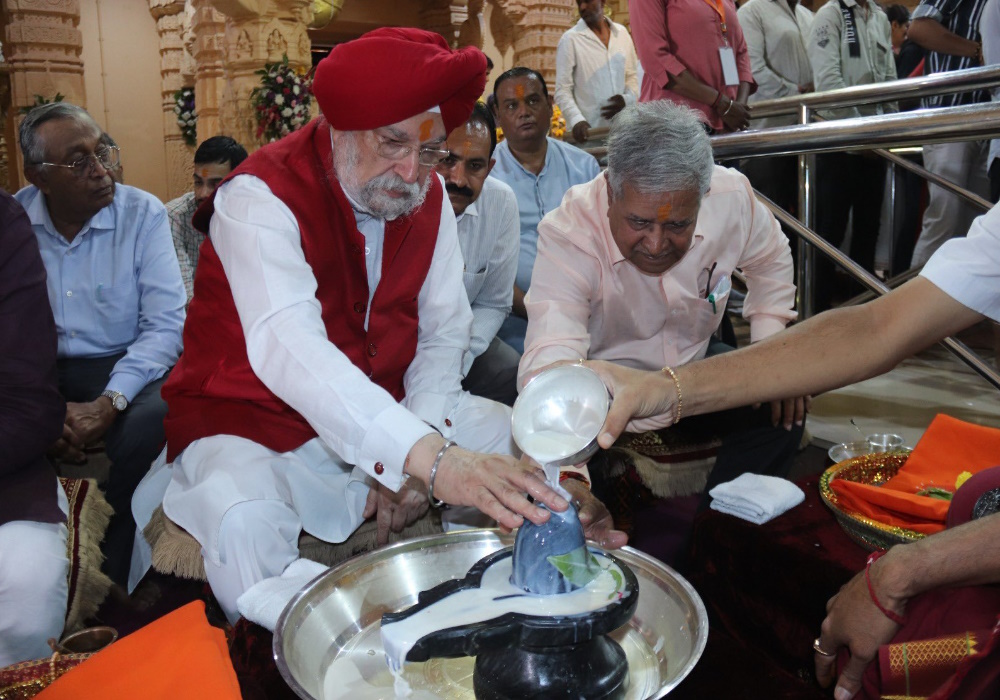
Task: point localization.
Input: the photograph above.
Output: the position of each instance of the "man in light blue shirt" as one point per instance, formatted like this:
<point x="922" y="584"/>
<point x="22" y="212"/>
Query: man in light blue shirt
<point x="117" y="297"/>
<point x="538" y="168"/>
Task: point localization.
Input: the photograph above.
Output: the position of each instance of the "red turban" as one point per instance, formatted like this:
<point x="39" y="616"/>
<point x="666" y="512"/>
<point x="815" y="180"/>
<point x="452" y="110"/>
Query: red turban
<point x="394" y="73"/>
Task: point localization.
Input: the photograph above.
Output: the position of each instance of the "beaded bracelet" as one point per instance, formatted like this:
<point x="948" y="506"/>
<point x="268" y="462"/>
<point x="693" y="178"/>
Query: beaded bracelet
<point x="894" y="616"/>
<point x="677" y="386"/>
<point x="436" y="503"/>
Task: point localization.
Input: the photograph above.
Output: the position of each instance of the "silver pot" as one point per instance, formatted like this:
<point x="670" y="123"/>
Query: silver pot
<point x="336" y="619"/>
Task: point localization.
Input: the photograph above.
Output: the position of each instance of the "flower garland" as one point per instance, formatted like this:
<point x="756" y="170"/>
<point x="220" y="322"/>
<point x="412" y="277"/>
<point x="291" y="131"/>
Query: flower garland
<point x="281" y="103"/>
<point x="187" y="120"/>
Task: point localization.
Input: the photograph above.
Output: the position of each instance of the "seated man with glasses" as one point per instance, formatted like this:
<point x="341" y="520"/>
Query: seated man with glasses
<point x="634" y="268"/>
<point x="116" y="293"/>
<point x="488" y="232"/>
<point x="324" y="343"/>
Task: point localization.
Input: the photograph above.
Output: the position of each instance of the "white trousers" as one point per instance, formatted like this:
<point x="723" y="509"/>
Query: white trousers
<point x="246" y="505"/>
<point x="947" y="215"/>
<point x="33" y="587"/>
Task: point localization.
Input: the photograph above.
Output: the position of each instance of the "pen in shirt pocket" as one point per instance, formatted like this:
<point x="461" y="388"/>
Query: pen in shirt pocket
<point x="721" y="290"/>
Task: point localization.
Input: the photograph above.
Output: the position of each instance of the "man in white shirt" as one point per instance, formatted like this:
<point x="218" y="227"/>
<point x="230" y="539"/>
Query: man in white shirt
<point x="596" y="70"/>
<point x="488" y="233"/>
<point x="324" y="344"/>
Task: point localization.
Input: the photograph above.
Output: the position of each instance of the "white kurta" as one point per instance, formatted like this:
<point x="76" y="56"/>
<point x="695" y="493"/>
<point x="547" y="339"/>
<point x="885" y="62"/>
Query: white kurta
<point x="364" y="434"/>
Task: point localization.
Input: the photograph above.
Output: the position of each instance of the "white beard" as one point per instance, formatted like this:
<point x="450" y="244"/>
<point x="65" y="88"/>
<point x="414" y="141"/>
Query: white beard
<point x="374" y="195"/>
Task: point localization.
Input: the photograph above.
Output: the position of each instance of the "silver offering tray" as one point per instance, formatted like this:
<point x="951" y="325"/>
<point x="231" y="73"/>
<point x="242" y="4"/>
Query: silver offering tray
<point x="336" y="618"/>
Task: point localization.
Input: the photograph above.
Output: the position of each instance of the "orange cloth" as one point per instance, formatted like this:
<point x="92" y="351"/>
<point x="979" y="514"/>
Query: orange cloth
<point x="178" y="656"/>
<point x="948" y="448"/>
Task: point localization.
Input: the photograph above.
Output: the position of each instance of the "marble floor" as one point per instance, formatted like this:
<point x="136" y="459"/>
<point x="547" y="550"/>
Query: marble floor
<point x="905" y="400"/>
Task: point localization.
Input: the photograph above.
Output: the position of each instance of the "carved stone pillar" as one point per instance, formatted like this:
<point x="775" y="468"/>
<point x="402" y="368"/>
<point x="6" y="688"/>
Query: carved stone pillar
<point x="444" y="17"/>
<point x="620" y="12"/>
<point x="258" y="32"/>
<point x="208" y="46"/>
<point x="472" y="30"/>
<point x="169" y="16"/>
<point x="42" y="44"/>
<point x="537" y="26"/>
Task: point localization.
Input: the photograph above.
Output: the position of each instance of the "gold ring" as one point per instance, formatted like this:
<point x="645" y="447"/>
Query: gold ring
<point x="819" y="650"/>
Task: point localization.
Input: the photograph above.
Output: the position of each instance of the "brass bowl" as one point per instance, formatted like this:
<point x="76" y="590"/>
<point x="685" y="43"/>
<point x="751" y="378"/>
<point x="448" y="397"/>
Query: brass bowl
<point x="87" y="641"/>
<point x="873" y="469"/>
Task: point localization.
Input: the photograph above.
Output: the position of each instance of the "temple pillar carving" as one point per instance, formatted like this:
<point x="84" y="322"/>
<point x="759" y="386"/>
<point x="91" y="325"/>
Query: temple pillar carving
<point x="471" y="31"/>
<point x="42" y="46"/>
<point x="258" y="32"/>
<point x="444" y="17"/>
<point x="169" y="16"/>
<point x="208" y="47"/>
<point x="535" y="31"/>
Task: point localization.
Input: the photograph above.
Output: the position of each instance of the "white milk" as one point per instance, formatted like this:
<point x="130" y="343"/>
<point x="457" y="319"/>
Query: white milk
<point x="497" y="596"/>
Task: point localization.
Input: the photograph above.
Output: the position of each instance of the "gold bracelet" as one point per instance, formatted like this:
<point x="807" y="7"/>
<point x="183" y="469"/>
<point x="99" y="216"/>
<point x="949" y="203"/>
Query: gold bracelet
<point x="677" y="385"/>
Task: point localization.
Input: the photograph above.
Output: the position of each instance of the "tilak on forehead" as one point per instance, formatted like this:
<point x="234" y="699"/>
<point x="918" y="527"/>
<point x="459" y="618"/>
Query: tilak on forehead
<point x="415" y="66"/>
<point x="426" y="126"/>
<point x="519" y="91"/>
<point x="663" y="213"/>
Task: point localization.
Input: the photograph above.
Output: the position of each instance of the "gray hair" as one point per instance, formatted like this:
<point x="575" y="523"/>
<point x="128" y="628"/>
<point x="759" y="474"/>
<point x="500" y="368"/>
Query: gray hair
<point x="659" y="147"/>
<point x="32" y="147"/>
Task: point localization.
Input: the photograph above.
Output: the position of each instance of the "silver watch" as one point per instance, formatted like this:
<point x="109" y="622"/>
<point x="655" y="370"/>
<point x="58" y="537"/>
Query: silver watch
<point x="118" y="399"/>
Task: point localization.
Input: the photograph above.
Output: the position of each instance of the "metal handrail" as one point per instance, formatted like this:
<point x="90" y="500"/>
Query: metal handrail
<point x="864" y="133"/>
<point x="956" y="347"/>
<point x="908" y="88"/>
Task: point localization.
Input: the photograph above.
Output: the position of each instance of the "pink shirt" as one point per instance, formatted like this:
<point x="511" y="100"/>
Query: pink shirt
<point x="587" y="301"/>
<point x="672" y="36"/>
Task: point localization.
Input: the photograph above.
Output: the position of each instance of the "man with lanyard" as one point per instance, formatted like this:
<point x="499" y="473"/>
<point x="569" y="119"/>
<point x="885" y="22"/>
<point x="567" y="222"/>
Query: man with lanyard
<point x="596" y="70"/>
<point x="851" y="44"/>
<point x="949" y="30"/>
<point x="324" y="343"/>
<point x="693" y="53"/>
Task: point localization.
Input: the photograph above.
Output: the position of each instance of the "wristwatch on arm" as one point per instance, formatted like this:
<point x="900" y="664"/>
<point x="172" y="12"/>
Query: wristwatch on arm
<point x="118" y="399"/>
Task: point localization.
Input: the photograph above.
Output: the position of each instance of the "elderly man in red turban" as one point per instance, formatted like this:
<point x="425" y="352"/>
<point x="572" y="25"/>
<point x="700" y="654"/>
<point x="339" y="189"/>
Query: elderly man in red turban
<point x="323" y="347"/>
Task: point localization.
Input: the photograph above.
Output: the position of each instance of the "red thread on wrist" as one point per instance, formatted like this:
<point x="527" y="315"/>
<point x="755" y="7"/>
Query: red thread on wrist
<point x="895" y="617"/>
<point x="563" y="476"/>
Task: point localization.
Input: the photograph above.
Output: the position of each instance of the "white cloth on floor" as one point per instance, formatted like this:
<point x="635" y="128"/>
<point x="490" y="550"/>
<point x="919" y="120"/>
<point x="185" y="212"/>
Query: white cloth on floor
<point x="264" y="601"/>
<point x="756" y="497"/>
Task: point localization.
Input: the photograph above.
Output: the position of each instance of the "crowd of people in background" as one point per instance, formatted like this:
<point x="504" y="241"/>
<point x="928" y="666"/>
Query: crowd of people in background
<point x="341" y="334"/>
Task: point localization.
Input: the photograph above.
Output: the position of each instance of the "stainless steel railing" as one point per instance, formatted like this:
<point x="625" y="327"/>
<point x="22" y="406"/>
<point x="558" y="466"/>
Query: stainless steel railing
<point x="907" y="88"/>
<point x="864" y="133"/>
<point x="958" y="348"/>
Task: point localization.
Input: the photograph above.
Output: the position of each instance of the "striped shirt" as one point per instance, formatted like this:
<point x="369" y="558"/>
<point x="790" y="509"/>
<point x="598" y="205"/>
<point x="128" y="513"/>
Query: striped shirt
<point x="960" y="17"/>
<point x="489" y="236"/>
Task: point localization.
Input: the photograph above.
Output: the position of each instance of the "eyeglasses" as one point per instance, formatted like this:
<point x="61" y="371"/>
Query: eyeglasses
<point x="109" y="158"/>
<point x="394" y="150"/>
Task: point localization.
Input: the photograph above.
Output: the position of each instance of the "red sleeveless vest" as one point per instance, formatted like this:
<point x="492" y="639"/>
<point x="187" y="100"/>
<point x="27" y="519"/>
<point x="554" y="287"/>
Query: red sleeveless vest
<point x="212" y="390"/>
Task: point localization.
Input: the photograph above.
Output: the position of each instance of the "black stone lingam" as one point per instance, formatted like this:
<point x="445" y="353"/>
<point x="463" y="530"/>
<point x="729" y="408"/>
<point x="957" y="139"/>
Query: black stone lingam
<point x="522" y="656"/>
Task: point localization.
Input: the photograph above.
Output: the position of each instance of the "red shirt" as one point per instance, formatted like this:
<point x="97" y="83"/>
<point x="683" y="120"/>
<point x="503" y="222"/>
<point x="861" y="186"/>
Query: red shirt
<point x="672" y="36"/>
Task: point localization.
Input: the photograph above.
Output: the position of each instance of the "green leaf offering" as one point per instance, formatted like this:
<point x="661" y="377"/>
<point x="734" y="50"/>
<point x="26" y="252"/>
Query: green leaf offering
<point x="936" y="492"/>
<point x="580" y="567"/>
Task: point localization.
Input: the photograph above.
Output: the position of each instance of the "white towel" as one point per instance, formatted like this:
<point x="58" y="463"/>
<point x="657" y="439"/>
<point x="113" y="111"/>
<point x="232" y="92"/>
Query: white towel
<point x="263" y="602"/>
<point x="755" y="497"/>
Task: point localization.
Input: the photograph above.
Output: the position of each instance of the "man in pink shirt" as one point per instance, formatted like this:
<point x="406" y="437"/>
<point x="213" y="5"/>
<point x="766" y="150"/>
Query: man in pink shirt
<point x="634" y="268"/>
<point x="693" y="52"/>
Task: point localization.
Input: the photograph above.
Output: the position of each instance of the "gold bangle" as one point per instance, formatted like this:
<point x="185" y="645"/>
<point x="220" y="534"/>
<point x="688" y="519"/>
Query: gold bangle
<point x="677" y="385"/>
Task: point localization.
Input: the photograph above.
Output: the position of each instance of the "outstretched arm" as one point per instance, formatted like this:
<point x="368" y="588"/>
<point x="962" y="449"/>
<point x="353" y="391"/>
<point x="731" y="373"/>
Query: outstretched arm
<point x="830" y="350"/>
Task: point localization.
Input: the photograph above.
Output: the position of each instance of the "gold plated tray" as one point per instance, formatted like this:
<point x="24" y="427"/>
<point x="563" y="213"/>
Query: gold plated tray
<point x="874" y="469"/>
